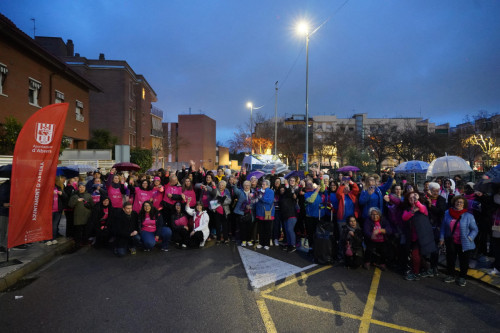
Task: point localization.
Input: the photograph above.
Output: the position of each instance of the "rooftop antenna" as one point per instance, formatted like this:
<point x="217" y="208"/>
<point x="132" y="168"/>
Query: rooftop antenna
<point x="34" y="27"/>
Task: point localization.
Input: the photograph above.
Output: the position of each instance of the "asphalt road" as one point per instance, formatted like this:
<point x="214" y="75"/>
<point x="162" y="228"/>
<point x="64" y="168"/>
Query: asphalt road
<point x="207" y="290"/>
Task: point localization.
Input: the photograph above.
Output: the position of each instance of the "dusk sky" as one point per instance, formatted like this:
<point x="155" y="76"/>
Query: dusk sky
<point x="387" y="58"/>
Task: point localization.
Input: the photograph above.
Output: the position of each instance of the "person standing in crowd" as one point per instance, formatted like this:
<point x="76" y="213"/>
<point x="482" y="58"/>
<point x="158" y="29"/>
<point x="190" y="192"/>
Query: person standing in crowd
<point x="101" y="222"/>
<point x="420" y="237"/>
<point x="116" y="192"/>
<point x="243" y="212"/>
<point x="458" y="231"/>
<point x="188" y="192"/>
<point x="59" y="197"/>
<point x="207" y="191"/>
<point x="171" y="196"/>
<point x="150" y="223"/>
<point x="373" y="196"/>
<point x="277" y="223"/>
<point x="82" y="204"/>
<point x="448" y="192"/>
<point x="436" y="206"/>
<point x="199" y="235"/>
<point x="313" y="200"/>
<point x="264" y="211"/>
<point x="70" y="189"/>
<point x="347" y="195"/>
<point x="157" y="193"/>
<point x="376" y="232"/>
<point x="288" y="202"/>
<point x="142" y="194"/>
<point x="125" y="226"/>
<point x="97" y="190"/>
<point x="221" y="212"/>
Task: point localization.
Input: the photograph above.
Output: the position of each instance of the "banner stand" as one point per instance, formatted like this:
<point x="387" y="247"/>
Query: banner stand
<point x="8" y="263"/>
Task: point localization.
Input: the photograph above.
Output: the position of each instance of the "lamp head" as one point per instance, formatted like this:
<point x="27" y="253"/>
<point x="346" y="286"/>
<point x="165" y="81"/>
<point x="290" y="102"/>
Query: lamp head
<point x="249" y="105"/>
<point x="303" y="28"/>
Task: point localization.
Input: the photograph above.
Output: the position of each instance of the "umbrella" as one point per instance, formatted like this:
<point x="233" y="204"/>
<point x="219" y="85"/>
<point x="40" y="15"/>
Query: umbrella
<point x="299" y="174"/>
<point x="494" y="172"/>
<point x="126" y="166"/>
<point x="447" y="166"/>
<point x="6" y="171"/>
<point x="82" y="168"/>
<point x="412" y="167"/>
<point x="67" y="172"/>
<point x="489" y="186"/>
<point x="257" y="174"/>
<point x="348" y="168"/>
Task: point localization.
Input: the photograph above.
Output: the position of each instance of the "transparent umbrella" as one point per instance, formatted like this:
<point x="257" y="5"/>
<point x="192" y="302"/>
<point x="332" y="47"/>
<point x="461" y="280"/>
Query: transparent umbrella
<point x="448" y="166"/>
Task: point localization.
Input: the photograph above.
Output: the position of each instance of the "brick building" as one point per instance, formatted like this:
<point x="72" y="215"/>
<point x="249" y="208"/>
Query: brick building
<point x="124" y="104"/>
<point x="31" y="78"/>
<point x="193" y="137"/>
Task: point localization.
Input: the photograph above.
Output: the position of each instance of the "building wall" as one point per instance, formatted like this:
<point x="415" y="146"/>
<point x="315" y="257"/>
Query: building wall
<point x="23" y="64"/>
<point x="223" y="155"/>
<point x="197" y="134"/>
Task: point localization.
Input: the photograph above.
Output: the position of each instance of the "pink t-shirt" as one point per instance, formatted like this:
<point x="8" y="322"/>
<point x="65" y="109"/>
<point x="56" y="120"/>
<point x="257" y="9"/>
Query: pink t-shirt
<point x="379" y="238"/>
<point x="456" y="234"/>
<point x="148" y="224"/>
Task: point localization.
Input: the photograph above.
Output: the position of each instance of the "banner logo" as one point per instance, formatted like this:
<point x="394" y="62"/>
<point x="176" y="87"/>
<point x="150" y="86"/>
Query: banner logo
<point x="44" y="133"/>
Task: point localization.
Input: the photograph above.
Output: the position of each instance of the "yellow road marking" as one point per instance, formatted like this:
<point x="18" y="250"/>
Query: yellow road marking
<point x="294" y="279"/>
<point x="266" y="317"/>
<point x="370" y="303"/>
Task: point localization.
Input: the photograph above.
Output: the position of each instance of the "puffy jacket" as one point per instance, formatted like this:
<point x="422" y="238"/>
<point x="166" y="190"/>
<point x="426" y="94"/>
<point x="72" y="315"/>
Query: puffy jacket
<point x="468" y="230"/>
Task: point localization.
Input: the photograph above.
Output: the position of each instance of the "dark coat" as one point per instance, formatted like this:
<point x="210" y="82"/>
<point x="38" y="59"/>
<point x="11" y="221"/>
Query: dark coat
<point x="424" y="231"/>
<point x="369" y="224"/>
<point x="287" y="205"/>
<point x="4" y="197"/>
<point x="123" y="225"/>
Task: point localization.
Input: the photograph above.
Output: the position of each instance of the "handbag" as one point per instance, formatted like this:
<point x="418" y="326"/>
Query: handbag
<point x="348" y="249"/>
<point x="268" y="213"/>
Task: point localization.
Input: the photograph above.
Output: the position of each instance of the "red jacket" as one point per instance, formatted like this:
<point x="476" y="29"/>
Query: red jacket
<point x="353" y="194"/>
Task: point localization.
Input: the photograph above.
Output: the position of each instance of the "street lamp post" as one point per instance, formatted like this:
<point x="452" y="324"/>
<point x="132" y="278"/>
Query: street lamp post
<point x="304" y="29"/>
<point x="250" y="106"/>
<point x="276" y="120"/>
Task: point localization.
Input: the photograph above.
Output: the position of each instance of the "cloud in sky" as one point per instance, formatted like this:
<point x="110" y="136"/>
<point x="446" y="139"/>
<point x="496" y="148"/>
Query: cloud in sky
<point x="387" y="58"/>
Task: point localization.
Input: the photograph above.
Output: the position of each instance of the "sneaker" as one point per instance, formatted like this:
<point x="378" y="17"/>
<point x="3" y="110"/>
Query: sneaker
<point x="266" y="248"/>
<point x="449" y="279"/>
<point x="284" y="247"/>
<point x="412" y="277"/>
<point x="49" y="243"/>
<point x="461" y="282"/>
<point x="428" y="273"/>
<point x="259" y="246"/>
<point x="243" y="243"/>
<point x="54" y="242"/>
<point x="164" y="249"/>
<point x="20" y="247"/>
<point x="276" y="242"/>
<point x="366" y="265"/>
<point x="184" y="246"/>
<point x="292" y="249"/>
<point x="133" y="251"/>
<point x="226" y="242"/>
<point x="435" y="271"/>
<point x="494" y="271"/>
<point x="249" y="243"/>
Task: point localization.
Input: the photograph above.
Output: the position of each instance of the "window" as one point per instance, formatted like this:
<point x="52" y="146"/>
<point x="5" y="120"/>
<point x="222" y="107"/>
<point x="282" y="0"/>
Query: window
<point x="34" y="91"/>
<point x="3" y="75"/>
<point x="59" y="97"/>
<point x="79" y="111"/>
<point x="131" y="94"/>
<point x="131" y="140"/>
<point x="143" y="93"/>
<point x="131" y="116"/>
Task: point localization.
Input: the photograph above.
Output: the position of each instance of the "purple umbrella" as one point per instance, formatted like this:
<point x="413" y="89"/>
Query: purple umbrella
<point x="348" y="168"/>
<point x="257" y="174"/>
<point x="299" y="174"/>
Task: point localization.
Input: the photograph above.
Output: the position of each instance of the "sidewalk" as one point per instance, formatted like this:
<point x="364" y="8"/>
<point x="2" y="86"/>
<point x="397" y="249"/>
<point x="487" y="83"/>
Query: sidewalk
<point x="35" y="256"/>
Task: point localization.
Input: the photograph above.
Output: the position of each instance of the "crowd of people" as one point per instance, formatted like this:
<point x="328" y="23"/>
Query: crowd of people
<point x="377" y="220"/>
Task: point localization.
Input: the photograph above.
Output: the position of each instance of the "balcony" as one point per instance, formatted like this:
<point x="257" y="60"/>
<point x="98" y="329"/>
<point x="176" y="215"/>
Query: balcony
<point x="157" y="133"/>
<point x="156" y="112"/>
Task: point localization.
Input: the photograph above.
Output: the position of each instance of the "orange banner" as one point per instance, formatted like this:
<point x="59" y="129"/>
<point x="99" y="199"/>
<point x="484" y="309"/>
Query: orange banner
<point x="33" y="176"/>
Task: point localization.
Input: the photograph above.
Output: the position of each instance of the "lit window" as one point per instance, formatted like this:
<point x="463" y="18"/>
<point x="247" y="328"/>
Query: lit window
<point x="34" y="91"/>
<point x="59" y="97"/>
<point x="143" y="93"/>
<point x="3" y="75"/>
<point x="79" y="111"/>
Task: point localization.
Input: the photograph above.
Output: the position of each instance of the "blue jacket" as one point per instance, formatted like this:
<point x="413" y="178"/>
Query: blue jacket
<point x="312" y="204"/>
<point x="376" y="199"/>
<point x="266" y="202"/>
<point x="242" y="199"/>
<point x="468" y="230"/>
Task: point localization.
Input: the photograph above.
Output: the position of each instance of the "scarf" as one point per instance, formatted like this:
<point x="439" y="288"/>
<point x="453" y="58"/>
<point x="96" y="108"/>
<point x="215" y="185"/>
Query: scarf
<point x="455" y="214"/>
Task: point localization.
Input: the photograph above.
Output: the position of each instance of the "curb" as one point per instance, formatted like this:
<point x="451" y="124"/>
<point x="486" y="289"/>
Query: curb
<point x="25" y="269"/>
